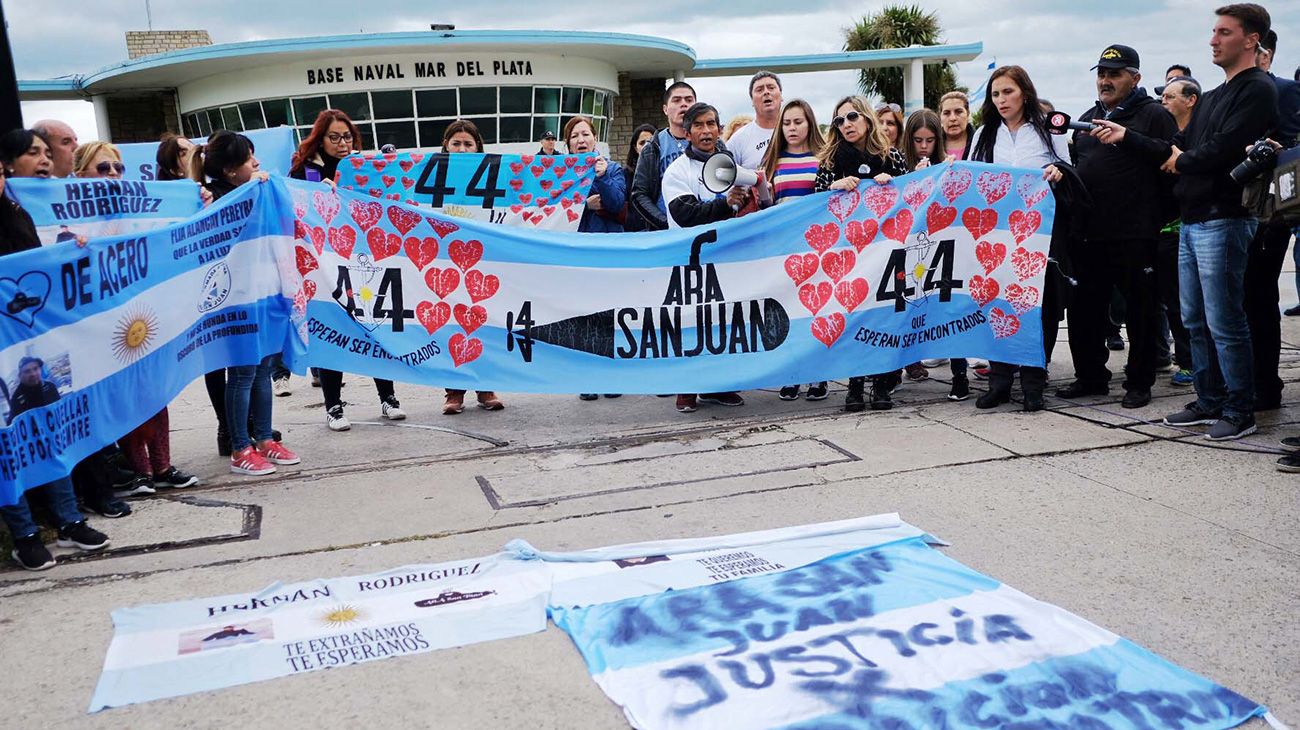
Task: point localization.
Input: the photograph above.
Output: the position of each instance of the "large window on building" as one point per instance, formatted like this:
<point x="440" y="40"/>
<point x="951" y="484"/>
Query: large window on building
<point x="409" y="118"/>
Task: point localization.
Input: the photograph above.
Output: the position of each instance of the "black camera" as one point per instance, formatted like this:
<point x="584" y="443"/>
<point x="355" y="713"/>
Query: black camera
<point x="1260" y="158"/>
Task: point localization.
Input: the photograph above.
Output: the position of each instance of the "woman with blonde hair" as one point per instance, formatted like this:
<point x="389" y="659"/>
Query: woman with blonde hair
<point x="735" y="124"/>
<point x="98" y="159"/>
<point x="890" y="116"/>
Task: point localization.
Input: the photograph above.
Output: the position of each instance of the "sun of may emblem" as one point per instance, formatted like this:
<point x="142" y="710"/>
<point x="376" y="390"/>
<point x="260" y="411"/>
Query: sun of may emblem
<point x="342" y="615"/>
<point x="134" y="334"/>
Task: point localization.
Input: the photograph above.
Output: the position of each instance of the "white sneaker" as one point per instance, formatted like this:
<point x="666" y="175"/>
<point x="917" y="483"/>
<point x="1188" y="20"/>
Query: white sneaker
<point x="335" y="419"/>
<point x="936" y="362"/>
<point x="280" y="387"/>
<point x="392" y="410"/>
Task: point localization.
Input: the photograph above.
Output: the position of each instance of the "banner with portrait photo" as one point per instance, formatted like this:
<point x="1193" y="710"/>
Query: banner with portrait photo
<point x="946" y="262"/>
<point x="547" y="192"/>
<point x="73" y="209"/>
<point x="95" y="340"/>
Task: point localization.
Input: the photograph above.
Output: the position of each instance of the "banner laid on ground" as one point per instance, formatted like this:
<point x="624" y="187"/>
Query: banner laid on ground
<point x="860" y="629"/>
<point x="946" y="262"/>
<point x="95" y="340"/>
<point x="175" y="649"/>
<point x="274" y="149"/>
<point x="64" y="210"/>
<point x="536" y="191"/>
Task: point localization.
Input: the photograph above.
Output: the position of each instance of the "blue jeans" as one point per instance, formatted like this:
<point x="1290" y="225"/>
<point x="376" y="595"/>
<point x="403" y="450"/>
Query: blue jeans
<point x="248" y="391"/>
<point x="1211" y="278"/>
<point x="61" y="499"/>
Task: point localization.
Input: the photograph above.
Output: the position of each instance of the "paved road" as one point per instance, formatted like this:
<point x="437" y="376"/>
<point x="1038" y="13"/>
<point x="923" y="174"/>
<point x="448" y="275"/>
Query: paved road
<point x="1189" y="548"/>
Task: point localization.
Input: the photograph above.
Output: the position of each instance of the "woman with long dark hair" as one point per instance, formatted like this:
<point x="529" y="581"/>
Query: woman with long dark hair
<point x="642" y="135"/>
<point x="25" y="153"/>
<point x="856" y="140"/>
<point x="463" y="136"/>
<point x="1014" y="133"/>
<point x="333" y="137"/>
<point x="173" y="157"/>
<point x="222" y="165"/>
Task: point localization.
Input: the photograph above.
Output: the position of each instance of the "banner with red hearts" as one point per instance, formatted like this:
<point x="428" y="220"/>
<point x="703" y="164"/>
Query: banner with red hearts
<point x="535" y="191"/>
<point x="946" y="262"/>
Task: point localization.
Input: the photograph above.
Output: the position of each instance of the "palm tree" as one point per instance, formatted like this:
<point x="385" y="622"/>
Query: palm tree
<point x="900" y="26"/>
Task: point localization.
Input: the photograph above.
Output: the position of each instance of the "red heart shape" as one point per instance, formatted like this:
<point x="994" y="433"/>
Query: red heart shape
<point x="527" y="159"/>
<point x="571" y="160"/>
<point x="442" y="281"/>
<point x="1024" y="224"/>
<point x="1028" y="264"/>
<point x="861" y="233"/>
<point x="899" y="226"/>
<point x="979" y="222"/>
<point x="822" y="237"/>
<point x="918" y="191"/>
<point x="300" y="231"/>
<point x="380" y="164"/>
<point x="464" y="349"/>
<point x="421" y="252"/>
<point x="309" y="288"/>
<point x="416" y="157"/>
<point x="982" y="290"/>
<point x="547" y="161"/>
<point x="566" y="184"/>
<point x="546" y="184"/>
<point x="327" y="204"/>
<point x="375" y="193"/>
<point x="470" y="318"/>
<point x="815" y="296"/>
<point x="525" y="198"/>
<point x="516" y="184"/>
<point x="516" y="167"/>
<point x="938" y="217"/>
<point x="516" y="208"/>
<point x="382" y="245"/>
<point x="361" y="180"/>
<point x="406" y="165"/>
<point x="441" y="226"/>
<point x="537" y="170"/>
<point x="403" y="219"/>
<point x="1003" y="323"/>
<point x="366" y="213"/>
<point x="559" y="171"/>
<point x="955" y="183"/>
<point x="842" y="204"/>
<point x="573" y="215"/>
<point x="432" y="316"/>
<point x="389" y="180"/>
<point x="357" y="161"/>
<point x="851" y="293"/>
<point x="465" y="253"/>
<point x="557" y="192"/>
<point x="838" y="264"/>
<point x="800" y="268"/>
<point x="305" y="261"/>
<point x="993" y="185"/>
<point x="407" y="182"/>
<point x="1032" y="188"/>
<point x="481" y="287"/>
<point x="1022" y="298"/>
<point x="990" y="255"/>
<point x="828" y="329"/>
<point x="342" y="239"/>
<point x="880" y="198"/>
<point x="318" y="236"/>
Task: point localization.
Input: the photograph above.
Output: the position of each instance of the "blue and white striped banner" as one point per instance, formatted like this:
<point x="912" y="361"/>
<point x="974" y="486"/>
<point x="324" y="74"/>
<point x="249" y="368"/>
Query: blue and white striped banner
<point x="866" y="628"/>
<point x="121" y="326"/>
<point x="72" y="208"/>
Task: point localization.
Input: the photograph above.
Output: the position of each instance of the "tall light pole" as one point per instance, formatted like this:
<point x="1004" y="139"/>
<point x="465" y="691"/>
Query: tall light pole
<point x="11" y="112"/>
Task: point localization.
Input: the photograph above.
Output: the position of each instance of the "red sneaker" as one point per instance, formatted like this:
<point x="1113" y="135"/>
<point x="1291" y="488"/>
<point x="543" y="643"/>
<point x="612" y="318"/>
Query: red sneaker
<point x="248" y="461"/>
<point x="686" y="403"/>
<point x="276" y="453"/>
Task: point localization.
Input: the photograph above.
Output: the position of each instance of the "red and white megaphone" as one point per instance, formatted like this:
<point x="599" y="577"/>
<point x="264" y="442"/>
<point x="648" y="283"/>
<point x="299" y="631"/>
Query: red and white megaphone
<point x="721" y="174"/>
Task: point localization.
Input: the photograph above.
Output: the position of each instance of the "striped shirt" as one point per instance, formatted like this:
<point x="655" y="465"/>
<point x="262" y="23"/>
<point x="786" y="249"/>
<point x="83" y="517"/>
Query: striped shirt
<point x="795" y="174"/>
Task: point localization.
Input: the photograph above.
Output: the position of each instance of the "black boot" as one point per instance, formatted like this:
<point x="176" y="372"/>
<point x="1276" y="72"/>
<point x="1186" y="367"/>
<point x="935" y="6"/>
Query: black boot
<point x="856" y="400"/>
<point x="993" y="398"/>
<point x="1033" y="401"/>
<point x="223" y="439"/>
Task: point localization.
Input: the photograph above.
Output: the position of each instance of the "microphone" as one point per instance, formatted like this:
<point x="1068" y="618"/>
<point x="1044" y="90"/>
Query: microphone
<point x="1060" y="123"/>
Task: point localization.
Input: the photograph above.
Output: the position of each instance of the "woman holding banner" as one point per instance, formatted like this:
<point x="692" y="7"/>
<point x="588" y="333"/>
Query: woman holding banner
<point x="1015" y="133"/>
<point x="222" y="165"/>
<point x="98" y="159"/>
<point x="790" y="163"/>
<point x="462" y="136"/>
<point x="333" y="137"/>
<point x="857" y="141"/>
<point x="26" y="154"/>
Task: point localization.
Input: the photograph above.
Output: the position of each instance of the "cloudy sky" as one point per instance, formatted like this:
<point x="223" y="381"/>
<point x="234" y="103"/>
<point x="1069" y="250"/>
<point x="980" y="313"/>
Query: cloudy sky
<point x="1056" y="40"/>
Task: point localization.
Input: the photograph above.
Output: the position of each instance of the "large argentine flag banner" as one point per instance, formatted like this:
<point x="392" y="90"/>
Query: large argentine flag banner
<point x="65" y="210"/>
<point x="946" y="262"/>
<point x="823" y="627"/>
<point x="274" y="149"/>
<point x="98" y="339"/>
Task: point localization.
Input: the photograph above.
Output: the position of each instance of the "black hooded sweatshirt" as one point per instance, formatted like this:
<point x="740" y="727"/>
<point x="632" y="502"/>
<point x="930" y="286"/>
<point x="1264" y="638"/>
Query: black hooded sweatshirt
<point x="1124" y="180"/>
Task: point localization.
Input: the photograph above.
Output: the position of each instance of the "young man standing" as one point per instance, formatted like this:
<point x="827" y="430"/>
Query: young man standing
<point x="669" y="143"/>
<point x="749" y="143"/>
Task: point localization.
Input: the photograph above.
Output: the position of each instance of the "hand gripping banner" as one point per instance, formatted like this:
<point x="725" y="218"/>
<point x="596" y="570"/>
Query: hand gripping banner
<point x="95" y="340"/>
<point x="535" y="191"/>
<point x="946" y="262"/>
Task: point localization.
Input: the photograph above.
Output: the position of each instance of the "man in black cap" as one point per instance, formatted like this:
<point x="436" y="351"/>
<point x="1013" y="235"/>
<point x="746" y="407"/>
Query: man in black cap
<point x="548" y="144"/>
<point x="1119" y="249"/>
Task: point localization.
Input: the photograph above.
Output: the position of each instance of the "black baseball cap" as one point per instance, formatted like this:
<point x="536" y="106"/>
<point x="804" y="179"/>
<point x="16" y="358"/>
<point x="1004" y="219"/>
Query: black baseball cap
<point x="1118" y="57"/>
<point x="548" y="134"/>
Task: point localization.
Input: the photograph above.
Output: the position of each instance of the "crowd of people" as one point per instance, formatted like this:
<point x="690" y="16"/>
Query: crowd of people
<point x="1153" y="228"/>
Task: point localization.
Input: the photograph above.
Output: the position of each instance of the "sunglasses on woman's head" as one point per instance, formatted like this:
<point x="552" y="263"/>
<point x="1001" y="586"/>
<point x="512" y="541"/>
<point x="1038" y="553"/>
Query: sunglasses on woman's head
<point x="104" y="167"/>
<point x="838" y="122"/>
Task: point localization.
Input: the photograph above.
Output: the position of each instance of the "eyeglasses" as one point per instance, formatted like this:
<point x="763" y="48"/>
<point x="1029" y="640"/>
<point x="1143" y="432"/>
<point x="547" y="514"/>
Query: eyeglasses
<point x="105" y="167"/>
<point x="891" y="107"/>
<point x="336" y="138"/>
<point x="838" y="122"/>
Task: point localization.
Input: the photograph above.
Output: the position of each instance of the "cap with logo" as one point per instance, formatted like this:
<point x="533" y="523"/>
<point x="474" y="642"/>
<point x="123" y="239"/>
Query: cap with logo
<point x="548" y="134"/>
<point x="1118" y="57"/>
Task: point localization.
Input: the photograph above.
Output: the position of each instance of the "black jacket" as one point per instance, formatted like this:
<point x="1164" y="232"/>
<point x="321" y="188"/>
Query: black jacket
<point x="1228" y="119"/>
<point x="643" y="195"/>
<point x="27" y="397"/>
<point x="17" y="231"/>
<point x="1124" y="180"/>
<point x="324" y="165"/>
<point x="633" y="221"/>
<point x="848" y="159"/>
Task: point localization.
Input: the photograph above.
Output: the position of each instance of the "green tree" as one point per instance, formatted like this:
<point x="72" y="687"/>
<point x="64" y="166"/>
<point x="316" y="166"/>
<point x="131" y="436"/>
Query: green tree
<point x="900" y="26"/>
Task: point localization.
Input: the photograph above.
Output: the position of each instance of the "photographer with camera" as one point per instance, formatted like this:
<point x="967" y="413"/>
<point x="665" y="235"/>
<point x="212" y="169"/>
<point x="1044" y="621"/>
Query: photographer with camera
<point x="1217" y="227"/>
